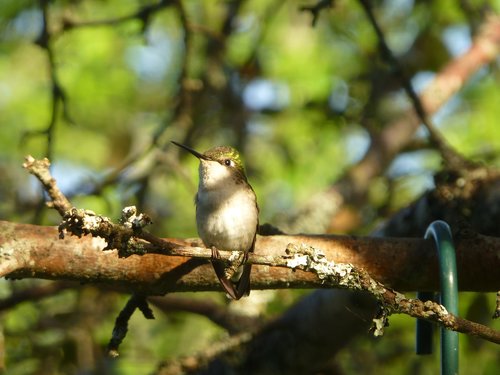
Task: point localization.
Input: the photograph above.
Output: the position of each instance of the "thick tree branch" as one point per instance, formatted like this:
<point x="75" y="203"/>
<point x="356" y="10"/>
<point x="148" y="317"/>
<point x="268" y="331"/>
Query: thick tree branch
<point x="405" y="264"/>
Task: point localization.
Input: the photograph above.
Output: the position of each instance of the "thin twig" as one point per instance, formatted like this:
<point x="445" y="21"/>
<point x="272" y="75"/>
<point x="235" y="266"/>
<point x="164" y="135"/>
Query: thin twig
<point x="58" y="94"/>
<point x="40" y="169"/>
<point x="316" y="9"/>
<point x="196" y="362"/>
<point x="450" y="156"/>
<point x="182" y="113"/>
<point x="496" y="314"/>
<point x="35" y="293"/>
<point x="144" y="14"/>
<point x="231" y="321"/>
<point x="121" y="324"/>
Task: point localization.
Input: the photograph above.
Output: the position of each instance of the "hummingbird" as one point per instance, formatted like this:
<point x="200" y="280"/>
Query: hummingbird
<point x="227" y="214"/>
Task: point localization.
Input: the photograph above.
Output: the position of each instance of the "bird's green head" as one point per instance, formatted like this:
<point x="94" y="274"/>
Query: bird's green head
<point x="228" y="157"/>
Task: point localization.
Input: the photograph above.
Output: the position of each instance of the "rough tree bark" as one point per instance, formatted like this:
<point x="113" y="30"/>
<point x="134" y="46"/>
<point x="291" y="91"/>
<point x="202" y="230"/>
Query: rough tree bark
<point x="30" y="251"/>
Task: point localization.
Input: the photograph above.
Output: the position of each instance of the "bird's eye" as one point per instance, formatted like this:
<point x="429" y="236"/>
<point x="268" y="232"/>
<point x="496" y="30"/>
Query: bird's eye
<point x="228" y="162"/>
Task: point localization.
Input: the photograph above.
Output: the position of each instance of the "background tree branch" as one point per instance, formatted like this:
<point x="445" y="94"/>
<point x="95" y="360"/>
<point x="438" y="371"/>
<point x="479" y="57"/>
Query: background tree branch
<point x="352" y="188"/>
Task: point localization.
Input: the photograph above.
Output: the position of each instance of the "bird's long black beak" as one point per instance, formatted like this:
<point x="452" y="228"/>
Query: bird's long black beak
<point x="194" y="152"/>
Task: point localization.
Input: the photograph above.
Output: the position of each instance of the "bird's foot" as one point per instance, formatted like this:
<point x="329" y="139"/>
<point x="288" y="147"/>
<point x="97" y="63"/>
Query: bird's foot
<point x="215" y="253"/>
<point x="245" y="258"/>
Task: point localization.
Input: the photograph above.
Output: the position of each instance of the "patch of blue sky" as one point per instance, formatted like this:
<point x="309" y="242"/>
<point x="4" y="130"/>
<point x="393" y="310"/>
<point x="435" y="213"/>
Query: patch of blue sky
<point x="151" y="62"/>
<point x="263" y="94"/>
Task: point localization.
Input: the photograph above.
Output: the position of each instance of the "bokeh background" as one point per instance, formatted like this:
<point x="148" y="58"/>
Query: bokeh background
<point x="101" y="87"/>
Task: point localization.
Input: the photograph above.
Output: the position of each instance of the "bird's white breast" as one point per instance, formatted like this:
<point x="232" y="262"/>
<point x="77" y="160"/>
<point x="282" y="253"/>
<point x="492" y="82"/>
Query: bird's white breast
<point x="227" y="216"/>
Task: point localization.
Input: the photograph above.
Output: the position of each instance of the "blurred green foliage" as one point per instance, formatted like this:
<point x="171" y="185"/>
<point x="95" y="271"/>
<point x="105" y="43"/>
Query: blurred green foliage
<point x="303" y="127"/>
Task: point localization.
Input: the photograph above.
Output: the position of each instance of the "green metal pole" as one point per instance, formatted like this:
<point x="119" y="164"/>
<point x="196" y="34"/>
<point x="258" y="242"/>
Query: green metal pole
<point x="425" y="329"/>
<point x="441" y="233"/>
